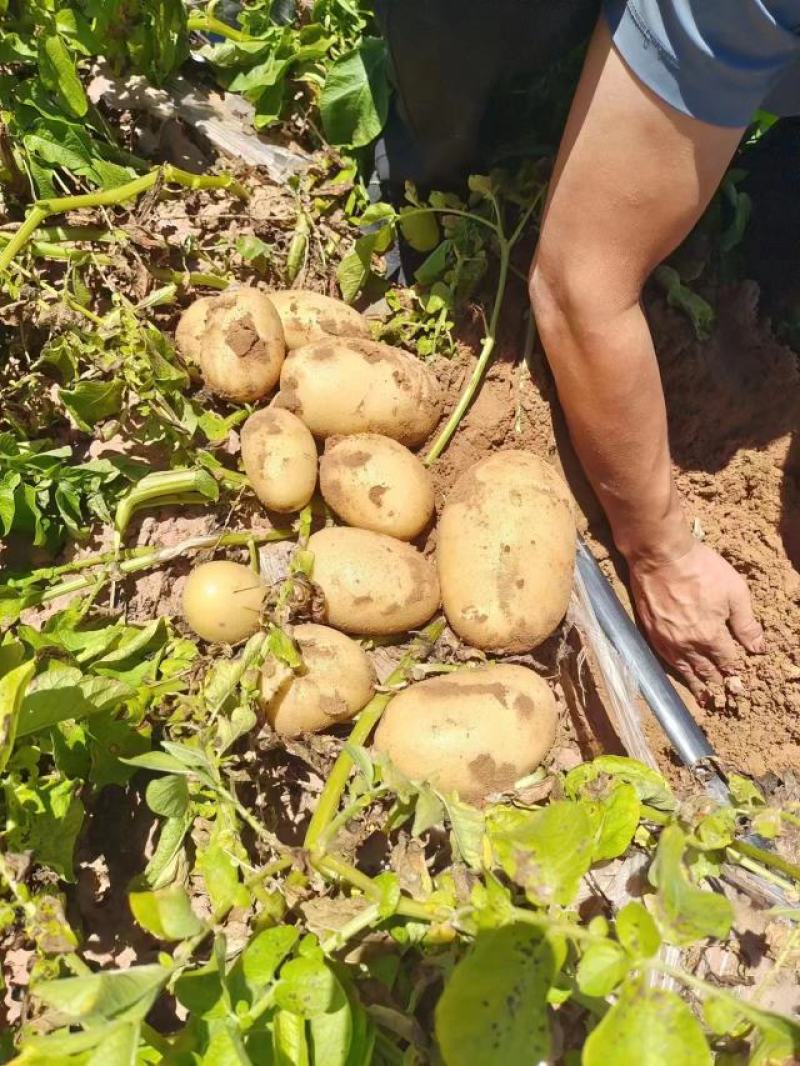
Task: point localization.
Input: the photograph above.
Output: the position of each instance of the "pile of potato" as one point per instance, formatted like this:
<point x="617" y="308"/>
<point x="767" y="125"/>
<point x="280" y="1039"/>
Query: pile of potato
<point x="505" y="550"/>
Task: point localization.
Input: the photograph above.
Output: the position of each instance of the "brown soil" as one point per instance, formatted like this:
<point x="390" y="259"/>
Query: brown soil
<point x="734" y="406"/>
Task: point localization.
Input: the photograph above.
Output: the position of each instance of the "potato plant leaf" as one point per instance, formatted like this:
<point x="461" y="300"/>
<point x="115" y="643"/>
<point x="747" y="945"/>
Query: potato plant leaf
<point x="647" y="1027"/>
<point x="308" y="987"/>
<point x="601" y="968"/>
<point x="636" y="931"/>
<point x="684" y="911"/>
<point x="111" y="994"/>
<point x="493" y="1010"/>
<point x="166" y="913"/>
<point x="355" y="99"/>
<point x="58" y="73"/>
<point x="12" y="690"/>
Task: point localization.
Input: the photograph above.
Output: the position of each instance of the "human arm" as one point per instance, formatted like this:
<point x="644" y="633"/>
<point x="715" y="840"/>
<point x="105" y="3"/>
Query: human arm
<point x="632" y="177"/>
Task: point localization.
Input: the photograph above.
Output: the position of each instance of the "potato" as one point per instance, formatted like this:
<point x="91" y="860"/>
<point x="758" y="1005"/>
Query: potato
<point x="375" y="483"/>
<point x="506" y="552"/>
<point x="222" y="601"/>
<point x="236" y="338"/>
<point x="309" y="316"/>
<point x="348" y="386"/>
<point x="280" y="459"/>
<point x="474" y="732"/>
<point x="373" y="584"/>
<point x="337" y="683"/>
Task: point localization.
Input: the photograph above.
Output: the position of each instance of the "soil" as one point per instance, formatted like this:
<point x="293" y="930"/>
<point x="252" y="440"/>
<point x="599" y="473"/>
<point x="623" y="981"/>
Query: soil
<point x="734" y="406"/>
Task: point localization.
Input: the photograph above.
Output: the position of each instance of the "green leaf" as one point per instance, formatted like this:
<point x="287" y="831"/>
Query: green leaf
<point x="636" y="931"/>
<point x="263" y="955"/>
<point x="62" y="693"/>
<point x="647" y="1027"/>
<point x="168" y="795"/>
<point x="45" y="816"/>
<point x="435" y="265"/>
<point x="744" y="792"/>
<point x="650" y="786"/>
<point x="331" y="1037"/>
<point x="166" y="913"/>
<point x="12" y="691"/>
<point x="601" y="968"/>
<point x="119" y="1048"/>
<point x="619" y="818"/>
<point x="308" y="987"/>
<point x="355" y="99"/>
<point x="289" y="1041"/>
<point x="546" y="851"/>
<point x="159" y="760"/>
<point x="493" y="1011"/>
<point x="90" y="402"/>
<point x="420" y="229"/>
<point x="355" y="269"/>
<point x="104" y="996"/>
<point x="778" y="1043"/>
<point x="58" y="73"/>
<point x="685" y="912"/>
<point x="468" y="828"/>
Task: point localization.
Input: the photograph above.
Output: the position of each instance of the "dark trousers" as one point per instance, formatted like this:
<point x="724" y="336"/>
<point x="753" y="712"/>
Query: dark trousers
<point x="449" y="57"/>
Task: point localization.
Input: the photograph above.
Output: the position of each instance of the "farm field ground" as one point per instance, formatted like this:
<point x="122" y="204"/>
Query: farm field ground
<point x="179" y="884"/>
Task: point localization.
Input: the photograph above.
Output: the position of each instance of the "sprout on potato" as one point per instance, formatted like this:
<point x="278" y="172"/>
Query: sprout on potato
<point x="309" y="316"/>
<point x="336" y="682"/>
<point x="222" y="601"/>
<point x="475" y="732"/>
<point x="506" y="552"/>
<point x="339" y="387"/>
<point x="236" y="338"/>
<point x="373" y="482"/>
<point x="279" y="458"/>
<point x="373" y="584"/>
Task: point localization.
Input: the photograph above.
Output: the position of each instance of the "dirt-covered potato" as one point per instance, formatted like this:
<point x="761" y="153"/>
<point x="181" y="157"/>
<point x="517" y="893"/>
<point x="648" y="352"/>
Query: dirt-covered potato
<point x="473" y="732"/>
<point x="373" y="584"/>
<point x="348" y="386"/>
<point x="506" y="552"/>
<point x="222" y="601"/>
<point x="374" y="483"/>
<point x="309" y="316"/>
<point x="338" y="681"/>
<point x="236" y="339"/>
<point x="279" y="458"/>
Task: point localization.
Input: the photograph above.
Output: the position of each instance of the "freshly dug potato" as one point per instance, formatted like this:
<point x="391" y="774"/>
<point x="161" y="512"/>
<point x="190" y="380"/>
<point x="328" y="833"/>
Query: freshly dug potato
<point x="236" y="339"/>
<point x="348" y="386"/>
<point x="338" y="682"/>
<point x="506" y="552"/>
<point x="280" y="459"/>
<point x="222" y="601"/>
<point x="473" y="732"/>
<point x="373" y="584"/>
<point x="375" y="483"/>
<point x="309" y="316"/>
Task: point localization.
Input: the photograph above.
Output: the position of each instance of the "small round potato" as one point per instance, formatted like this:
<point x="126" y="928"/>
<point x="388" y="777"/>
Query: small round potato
<point x="338" y="681"/>
<point x="375" y="483"/>
<point x="280" y="459"/>
<point x="339" y="387"/>
<point x="309" y="316"/>
<point x="373" y="584"/>
<point x="506" y="552"/>
<point x="236" y="338"/>
<point x="222" y="601"/>
<point x="474" y="732"/>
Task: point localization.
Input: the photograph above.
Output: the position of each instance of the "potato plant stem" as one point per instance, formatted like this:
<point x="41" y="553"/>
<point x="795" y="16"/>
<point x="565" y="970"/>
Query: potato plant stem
<point x="331" y="795"/>
<point x="200" y="22"/>
<point x="43" y="209"/>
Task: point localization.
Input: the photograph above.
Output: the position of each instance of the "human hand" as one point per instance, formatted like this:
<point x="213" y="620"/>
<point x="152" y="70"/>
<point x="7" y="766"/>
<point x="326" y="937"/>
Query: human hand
<point x="690" y="606"/>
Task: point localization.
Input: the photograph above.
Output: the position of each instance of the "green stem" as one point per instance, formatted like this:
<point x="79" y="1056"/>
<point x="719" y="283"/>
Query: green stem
<point x="334" y="867"/>
<point x="766" y="858"/>
<point x="189" y="278"/>
<point x="200" y="22"/>
<point x="331" y="795"/>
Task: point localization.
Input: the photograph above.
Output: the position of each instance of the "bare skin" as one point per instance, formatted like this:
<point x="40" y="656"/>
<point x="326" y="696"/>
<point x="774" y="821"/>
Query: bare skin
<point x="632" y="177"/>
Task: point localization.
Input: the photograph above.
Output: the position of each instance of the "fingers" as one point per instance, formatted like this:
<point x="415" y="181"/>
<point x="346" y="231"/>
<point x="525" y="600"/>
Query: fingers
<point x="743" y="622"/>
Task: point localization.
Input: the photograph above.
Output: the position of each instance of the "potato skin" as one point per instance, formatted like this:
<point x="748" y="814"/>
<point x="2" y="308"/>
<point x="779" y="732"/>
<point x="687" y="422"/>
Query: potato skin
<point x="309" y="316"/>
<point x="236" y="338"/>
<point x="507" y="523"/>
<point x="279" y="458"/>
<point x="373" y="482"/>
<point x="222" y="601"/>
<point x="474" y="732"/>
<point x="373" y="584"/>
<point x="339" y="681"/>
<point x="339" y="387"/>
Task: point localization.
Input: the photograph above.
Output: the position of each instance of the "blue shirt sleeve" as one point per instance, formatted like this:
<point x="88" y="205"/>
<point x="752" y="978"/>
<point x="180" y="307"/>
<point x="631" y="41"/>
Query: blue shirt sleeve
<point x="716" y="60"/>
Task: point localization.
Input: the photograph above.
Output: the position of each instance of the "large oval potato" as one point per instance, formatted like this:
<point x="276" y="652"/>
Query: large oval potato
<point x="279" y="458"/>
<point x="474" y="732"/>
<point x="374" y="483"/>
<point x="309" y="316"/>
<point x="373" y="584"/>
<point x="338" y="681"/>
<point x="506" y="552"/>
<point x="222" y="601"/>
<point x="237" y="340"/>
<point x="339" y="387"/>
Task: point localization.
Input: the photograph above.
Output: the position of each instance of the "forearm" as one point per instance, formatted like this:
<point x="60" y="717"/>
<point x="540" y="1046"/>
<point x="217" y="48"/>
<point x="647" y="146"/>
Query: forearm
<point x="609" y="387"/>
